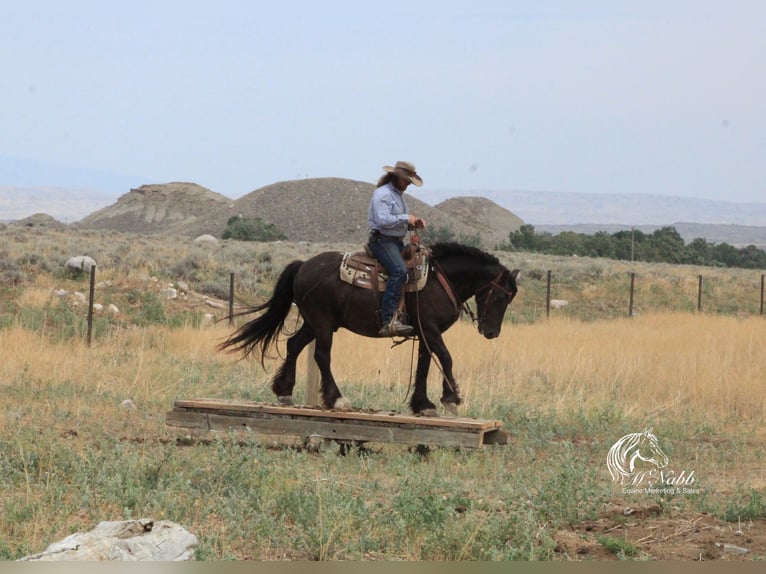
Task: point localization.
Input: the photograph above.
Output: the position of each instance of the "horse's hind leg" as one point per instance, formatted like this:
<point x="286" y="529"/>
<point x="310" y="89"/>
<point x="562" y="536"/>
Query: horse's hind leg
<point x="284" y="381"/>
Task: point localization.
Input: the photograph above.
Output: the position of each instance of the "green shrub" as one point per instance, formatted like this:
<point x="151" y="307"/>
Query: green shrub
<point x="247" y="229"/>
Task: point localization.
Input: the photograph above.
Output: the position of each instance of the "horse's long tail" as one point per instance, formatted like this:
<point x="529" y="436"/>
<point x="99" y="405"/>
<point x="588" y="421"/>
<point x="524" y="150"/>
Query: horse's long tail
<point x="259" y="334"/>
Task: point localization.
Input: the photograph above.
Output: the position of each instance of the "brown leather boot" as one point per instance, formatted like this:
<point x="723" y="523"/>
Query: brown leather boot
<point x="395" y="328"/>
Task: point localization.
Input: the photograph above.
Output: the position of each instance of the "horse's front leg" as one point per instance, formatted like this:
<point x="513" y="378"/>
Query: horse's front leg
<point x="419" y="402"/>
<point x="450" y="391"/>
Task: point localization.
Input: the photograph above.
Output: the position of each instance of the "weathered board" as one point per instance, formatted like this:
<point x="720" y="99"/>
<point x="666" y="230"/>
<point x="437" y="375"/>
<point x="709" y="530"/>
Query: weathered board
<point x="357" y="426"/>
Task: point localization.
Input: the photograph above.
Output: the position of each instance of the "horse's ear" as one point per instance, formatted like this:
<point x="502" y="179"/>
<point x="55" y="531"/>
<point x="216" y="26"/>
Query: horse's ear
<point x="514" y="273"/>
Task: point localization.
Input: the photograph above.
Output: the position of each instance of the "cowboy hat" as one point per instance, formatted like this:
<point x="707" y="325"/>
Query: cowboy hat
<point x="406" y="170"/>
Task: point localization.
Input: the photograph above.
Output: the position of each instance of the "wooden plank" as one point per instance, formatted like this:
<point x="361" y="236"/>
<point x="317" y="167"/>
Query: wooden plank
<point x="347" y="430"/>
<point x="362" y="426"/>
<point x="187" y="420"/>
<point x="330" y="429"/>
<point x="240" y="406"/>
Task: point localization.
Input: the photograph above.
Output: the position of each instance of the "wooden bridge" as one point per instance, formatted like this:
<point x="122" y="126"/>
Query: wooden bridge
<point x="347" y="427"/>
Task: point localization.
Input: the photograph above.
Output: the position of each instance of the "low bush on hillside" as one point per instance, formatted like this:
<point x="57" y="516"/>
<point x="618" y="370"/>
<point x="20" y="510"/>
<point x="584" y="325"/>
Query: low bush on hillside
<point x="247" y="229"/>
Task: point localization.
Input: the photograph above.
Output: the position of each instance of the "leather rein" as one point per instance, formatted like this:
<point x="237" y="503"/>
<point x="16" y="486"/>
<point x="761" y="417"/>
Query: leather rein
<point x="489" y="287"/>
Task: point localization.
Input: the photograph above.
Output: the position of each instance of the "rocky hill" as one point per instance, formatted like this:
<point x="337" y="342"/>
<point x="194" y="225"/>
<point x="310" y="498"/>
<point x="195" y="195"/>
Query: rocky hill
<point x="317" y="210"/>
<point x="42" y="220"/>
<point x="158" y="209"/>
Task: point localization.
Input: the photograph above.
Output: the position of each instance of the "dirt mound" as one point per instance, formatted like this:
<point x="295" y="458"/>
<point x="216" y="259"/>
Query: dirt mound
<point x="159" y="208"/>
<point x="41" y="220"/>
<point x="329" y="209"/>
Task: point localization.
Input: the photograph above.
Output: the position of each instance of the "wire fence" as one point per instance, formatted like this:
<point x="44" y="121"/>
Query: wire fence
<point x="530" y="307"/>
<point x="674" y="298"/>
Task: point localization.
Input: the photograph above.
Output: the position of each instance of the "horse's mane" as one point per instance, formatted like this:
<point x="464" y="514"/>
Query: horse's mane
<point x="446" y="249"/>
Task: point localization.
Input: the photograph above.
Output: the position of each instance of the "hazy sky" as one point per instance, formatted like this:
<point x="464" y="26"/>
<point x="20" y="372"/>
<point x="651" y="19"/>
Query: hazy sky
<point x="665" y="97"/>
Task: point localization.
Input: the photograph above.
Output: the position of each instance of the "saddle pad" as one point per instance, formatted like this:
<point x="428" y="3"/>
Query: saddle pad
<point x="359" y="269"/>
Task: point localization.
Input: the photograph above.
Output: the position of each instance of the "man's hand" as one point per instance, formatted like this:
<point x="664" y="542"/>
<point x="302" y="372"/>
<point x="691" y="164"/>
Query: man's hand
<point x="417" y="222"/>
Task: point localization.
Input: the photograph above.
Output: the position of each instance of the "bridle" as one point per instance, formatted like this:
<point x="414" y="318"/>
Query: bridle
<point x="490" y="288"/>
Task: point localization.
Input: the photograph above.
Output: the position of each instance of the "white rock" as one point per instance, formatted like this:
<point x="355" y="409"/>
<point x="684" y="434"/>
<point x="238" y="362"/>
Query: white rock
<point x="558" y="303"/>
<point x="169" y="293"/>
<point x="113" y="309"/>
<point x="80" y="263"/>
<point x="732" y="549"/>
<point x="206" y="239"/>
<point x="130" y="541"/>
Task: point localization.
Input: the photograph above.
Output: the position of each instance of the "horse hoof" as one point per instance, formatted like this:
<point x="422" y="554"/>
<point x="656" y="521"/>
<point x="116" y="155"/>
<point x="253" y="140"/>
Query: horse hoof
<point x="285" y="400"/>
<point x="450" y="409"/>
<point x="342" y="404"/>
<point x="428" y="413"/>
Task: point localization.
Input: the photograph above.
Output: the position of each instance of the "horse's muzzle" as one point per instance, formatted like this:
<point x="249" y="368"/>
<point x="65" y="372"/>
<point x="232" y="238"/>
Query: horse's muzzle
<point x="489" y="333"/>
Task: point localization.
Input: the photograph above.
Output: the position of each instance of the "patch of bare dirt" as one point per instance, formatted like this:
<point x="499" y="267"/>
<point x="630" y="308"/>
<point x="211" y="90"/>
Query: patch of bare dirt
<point x="646" y="533"/>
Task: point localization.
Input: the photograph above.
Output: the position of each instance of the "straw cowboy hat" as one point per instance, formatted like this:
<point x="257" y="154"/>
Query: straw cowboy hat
<point x="406" y="170"/>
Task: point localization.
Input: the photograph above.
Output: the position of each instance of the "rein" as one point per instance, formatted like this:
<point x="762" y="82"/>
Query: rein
<point x="452" y="295"/>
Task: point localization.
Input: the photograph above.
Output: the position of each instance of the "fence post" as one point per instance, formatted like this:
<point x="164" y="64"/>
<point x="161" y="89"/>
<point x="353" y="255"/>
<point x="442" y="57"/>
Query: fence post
<point x="231" y="298"/>
<point x="90" y="302"/>
<point x="761" y="293"/>
<point x="699" y="295"/>
<point x="632" y="283"/>
<point x="548" y="297"/>
<point x="312" y="376"/>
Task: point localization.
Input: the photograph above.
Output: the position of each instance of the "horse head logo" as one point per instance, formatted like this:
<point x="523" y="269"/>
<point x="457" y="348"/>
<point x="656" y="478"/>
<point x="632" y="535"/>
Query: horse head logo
<point x="629" y="451"/>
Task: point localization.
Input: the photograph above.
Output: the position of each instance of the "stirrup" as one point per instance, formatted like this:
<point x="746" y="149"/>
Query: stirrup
<point x="395" y="328"/>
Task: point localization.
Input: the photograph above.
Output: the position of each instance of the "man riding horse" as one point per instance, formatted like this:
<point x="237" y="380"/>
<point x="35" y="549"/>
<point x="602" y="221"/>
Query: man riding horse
<point x="389" y="220"/>
<point x="327" y="302"/>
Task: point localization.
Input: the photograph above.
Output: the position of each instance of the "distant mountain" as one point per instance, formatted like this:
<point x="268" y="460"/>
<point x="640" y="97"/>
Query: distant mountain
<point x="557" y="208"/>
<point x="64" y="204"/>
<point x="31" y="173"/>
<point x="67" y="193"/>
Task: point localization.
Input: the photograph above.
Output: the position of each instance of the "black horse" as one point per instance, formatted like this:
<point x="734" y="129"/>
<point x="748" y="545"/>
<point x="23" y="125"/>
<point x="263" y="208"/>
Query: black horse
<point x="326" y="304"/>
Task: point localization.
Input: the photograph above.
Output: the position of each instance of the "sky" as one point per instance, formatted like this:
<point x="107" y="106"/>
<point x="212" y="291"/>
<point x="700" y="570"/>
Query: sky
<point x="662" y="97"/>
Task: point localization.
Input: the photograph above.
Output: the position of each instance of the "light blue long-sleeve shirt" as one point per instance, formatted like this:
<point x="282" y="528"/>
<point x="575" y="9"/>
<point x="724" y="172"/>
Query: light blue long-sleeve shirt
<point x="388" y="212"/>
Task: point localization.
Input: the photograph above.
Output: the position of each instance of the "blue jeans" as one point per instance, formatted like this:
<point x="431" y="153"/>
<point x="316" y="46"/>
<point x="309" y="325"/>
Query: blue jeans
<point x="388" y="251"/>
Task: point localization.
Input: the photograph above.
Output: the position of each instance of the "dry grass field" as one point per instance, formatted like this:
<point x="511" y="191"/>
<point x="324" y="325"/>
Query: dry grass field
<point x="73" y="453"/>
